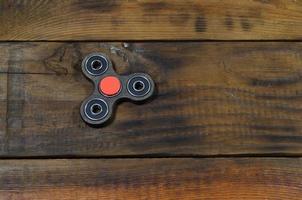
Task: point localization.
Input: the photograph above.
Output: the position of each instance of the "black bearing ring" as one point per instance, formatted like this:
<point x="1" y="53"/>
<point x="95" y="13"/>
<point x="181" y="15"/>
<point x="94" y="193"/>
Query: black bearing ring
<point x="96" y="65"/>
<point x="138" y="86"/>
<point x="96" y="109"/>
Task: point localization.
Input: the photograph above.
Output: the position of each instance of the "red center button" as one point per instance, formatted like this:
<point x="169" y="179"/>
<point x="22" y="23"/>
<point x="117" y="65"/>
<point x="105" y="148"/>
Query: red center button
<point x="110" y="85"/>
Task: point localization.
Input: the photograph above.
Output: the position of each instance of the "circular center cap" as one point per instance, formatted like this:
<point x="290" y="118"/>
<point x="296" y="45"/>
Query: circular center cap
<point x="110" y="85"/>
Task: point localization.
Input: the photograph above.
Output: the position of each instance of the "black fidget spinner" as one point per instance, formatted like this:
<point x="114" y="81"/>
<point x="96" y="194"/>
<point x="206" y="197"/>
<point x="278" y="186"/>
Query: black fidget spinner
<point x="109" y="88"/>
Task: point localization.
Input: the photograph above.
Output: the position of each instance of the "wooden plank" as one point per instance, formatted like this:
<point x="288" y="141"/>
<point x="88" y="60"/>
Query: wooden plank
<point x="3" y="109"/>
<point x="234" y="178"/>
<point x="150" y="20"/>
<point x="4" y="51"/>
<point x="213" y="99"/>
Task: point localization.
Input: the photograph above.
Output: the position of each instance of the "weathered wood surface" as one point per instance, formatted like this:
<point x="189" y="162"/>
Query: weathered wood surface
<point x="3" y="109"/>
<point x="150" y="20"/>
<point x="213" y="99"/>
<point x="240" y="178"/>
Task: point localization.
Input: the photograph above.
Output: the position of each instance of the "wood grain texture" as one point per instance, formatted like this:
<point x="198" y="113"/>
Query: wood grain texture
<point x="150" y="20"/>
<point x="192" y="179"/>
<point x="3" y="110"/>
<point x="212" y="99"/>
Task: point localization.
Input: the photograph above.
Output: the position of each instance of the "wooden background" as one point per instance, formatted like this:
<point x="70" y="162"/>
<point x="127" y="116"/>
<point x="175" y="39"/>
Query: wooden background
<point x="225" y="123"/>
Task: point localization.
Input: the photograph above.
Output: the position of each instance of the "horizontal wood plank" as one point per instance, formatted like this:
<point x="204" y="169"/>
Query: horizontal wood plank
<point x="150" y="20"/>
<point x="212" y="99"/>
<point x="236" y="178"/>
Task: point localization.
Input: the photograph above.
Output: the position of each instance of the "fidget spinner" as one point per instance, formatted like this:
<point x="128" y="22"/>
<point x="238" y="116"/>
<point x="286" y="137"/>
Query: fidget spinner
<point x="110" y="88"/>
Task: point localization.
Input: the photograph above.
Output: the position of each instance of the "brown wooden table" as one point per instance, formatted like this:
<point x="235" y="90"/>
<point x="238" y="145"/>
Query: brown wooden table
<point x="225" y="122"/>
